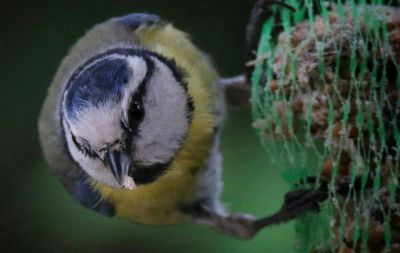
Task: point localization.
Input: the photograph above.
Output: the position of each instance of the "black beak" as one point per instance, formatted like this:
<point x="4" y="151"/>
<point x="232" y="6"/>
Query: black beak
<point x="119" y="163"/>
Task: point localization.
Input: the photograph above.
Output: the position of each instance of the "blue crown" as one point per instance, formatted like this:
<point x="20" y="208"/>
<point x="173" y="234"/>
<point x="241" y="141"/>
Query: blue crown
<point x="100" y="84"/>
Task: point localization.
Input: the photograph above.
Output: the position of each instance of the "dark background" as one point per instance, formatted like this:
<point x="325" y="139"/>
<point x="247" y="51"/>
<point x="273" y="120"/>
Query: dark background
<point x="37" y="215"/>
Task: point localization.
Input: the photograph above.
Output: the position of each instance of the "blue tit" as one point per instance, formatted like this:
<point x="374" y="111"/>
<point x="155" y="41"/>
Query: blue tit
<point x="131" y="126"/>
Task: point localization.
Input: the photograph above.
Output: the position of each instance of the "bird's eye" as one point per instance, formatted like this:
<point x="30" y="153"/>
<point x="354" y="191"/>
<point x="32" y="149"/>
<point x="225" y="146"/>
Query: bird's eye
<point x="135" y="114"/>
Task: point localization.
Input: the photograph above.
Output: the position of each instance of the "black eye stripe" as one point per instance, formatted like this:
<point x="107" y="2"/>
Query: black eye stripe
<point x="136" y="111"/>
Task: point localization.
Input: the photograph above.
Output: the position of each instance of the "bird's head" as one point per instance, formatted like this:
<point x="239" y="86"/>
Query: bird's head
<point x="125" y="114"/>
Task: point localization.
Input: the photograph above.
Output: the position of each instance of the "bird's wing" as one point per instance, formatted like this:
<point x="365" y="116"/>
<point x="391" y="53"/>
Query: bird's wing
<point x="82" y="190"/>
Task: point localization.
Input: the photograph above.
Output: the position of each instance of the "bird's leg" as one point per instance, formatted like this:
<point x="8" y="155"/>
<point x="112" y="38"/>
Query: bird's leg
<point x="295" y="203"/>
<point x="237" y="91"/>
<point x="244" y="226"/>
<point x="235" y="225"/>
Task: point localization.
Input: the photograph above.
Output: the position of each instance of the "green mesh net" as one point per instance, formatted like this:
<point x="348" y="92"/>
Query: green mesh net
<point x="326" y="106"/>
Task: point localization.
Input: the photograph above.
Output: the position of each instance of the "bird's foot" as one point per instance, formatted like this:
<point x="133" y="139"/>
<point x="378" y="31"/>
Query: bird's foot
<point x="295" y="203"/>
<point x="236" y="225"/>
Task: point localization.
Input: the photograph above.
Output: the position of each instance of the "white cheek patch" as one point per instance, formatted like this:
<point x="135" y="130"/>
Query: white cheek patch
<point x="166" y="118"/>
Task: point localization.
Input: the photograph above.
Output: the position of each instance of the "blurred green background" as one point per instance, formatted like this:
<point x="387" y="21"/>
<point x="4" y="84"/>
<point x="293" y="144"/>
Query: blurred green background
<point x="37" y="215"/>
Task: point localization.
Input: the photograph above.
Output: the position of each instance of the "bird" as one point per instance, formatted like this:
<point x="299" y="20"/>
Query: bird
<point x="131" y="127"/>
